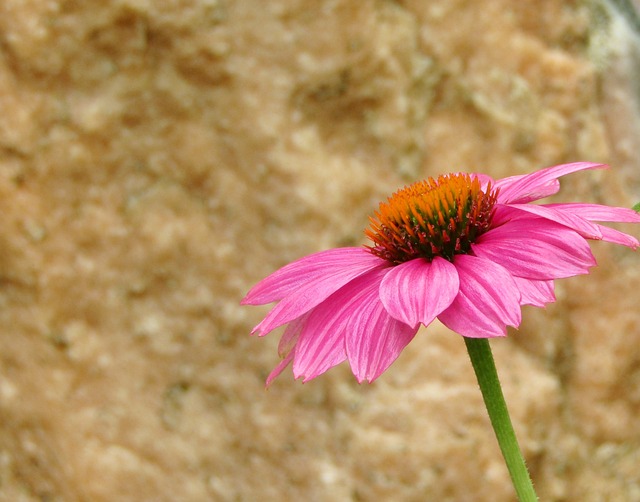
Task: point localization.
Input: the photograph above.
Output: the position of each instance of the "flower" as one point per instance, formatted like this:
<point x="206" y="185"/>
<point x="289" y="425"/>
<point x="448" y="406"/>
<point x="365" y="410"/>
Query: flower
<point x="463" y="248"/>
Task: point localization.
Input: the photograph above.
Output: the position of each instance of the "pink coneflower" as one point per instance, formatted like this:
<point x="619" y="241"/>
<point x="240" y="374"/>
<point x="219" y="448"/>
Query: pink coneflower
<point x="463" y="248"/>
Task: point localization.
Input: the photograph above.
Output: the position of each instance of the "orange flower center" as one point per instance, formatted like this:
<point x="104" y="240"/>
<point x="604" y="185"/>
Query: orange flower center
<point x="432" y="218"/>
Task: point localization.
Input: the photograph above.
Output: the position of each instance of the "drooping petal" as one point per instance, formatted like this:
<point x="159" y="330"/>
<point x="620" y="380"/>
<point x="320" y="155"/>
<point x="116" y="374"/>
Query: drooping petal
<point x="286" y="347"/>
<point x="536" y="248"/>
<point x="282" y="365"/>
<point x="374" y="339"/>
<point x="378" y="346"/>
<point x="617" y="237"/>
<point x="488" y="301"/>
<point x="598" y="212"/>
<point x="328" y="270"/>
<point x="291" y="335"/>
<point x="313" y="289"/>
<point x="320" y="350"/>
<point x="540" y="184"/>
<point x="417" y="291"/>
<point x="536" y="293"/>
<point x="321" y="344"/>
<point x="573" y="221"/>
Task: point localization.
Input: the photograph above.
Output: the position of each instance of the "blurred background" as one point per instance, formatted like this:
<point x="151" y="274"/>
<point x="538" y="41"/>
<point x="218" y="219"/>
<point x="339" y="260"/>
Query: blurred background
<point x="159" y="158"/>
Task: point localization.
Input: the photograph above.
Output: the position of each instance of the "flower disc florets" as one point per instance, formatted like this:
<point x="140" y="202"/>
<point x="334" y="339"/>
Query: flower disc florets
<point x="430" y="218"/>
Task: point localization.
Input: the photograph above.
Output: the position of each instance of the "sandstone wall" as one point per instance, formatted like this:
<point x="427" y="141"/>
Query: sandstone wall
<point x="158" y="158"/>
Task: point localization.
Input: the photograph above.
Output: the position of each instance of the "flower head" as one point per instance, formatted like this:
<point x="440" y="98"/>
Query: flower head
<point x="432" y="218"/>
<point x="463" y="248"/>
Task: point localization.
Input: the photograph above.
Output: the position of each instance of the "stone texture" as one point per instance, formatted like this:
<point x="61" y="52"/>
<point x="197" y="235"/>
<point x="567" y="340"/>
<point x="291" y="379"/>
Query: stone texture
<point x="158" y="158"/>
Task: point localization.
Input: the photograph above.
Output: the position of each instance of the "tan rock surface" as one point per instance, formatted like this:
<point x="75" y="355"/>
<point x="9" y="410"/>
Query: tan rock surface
<point x="158" y="158"/>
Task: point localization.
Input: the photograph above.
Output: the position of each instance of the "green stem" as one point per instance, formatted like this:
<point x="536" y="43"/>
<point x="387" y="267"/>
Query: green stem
<point x="482" y="361"/>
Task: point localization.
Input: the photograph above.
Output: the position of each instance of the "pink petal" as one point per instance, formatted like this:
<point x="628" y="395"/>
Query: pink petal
<point x="321" y="351"/>
<point x="598" y="212"/>
<point x="488" y="301"/>
<point x="373" y="350"/>
<point x="286" y="347"/>
<point x="417" y="291"/>
<point x="291" y="335"/>
<point x="279" y="368"/>
<point x="540" y="184"/>
<point x="504" y="213"/>
<point x="617" y="237"/>
<point x="374" y="339"/>
<point x="536" y="293"/>
<point x="321" y="344"/>
<point x="550" y="188"/>
<point x="313" y="288"/>
<point x="573" y="221"/>
<point x="536" y="248"/>
<point x="323" y="269"/>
